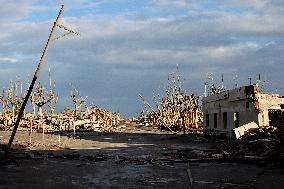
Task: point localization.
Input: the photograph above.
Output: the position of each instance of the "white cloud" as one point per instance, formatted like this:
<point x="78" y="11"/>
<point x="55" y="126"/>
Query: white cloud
<point x="172" y="3"/>
<point x="8" y="59"/>
<point x="233" y="50"/>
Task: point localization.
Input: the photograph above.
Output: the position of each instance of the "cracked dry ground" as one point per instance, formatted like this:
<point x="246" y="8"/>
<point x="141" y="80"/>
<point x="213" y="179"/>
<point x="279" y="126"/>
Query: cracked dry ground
<point x="138" y="157"/>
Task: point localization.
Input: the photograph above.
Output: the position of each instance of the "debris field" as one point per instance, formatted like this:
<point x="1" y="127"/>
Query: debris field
<point x="135" y="157"/>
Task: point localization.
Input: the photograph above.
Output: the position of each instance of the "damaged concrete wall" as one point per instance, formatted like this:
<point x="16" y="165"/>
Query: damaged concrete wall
<point x="233" y="108"/>
<point x="229" y="107"/>
<point x="266" y="104"/>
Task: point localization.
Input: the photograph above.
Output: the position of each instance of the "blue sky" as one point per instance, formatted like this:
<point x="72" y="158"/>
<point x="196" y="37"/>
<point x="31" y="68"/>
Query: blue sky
<point x="129" y="47"/>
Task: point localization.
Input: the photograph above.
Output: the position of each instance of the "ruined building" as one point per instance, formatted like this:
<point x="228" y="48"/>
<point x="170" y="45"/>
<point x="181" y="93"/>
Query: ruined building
<point x="247" y="105"/>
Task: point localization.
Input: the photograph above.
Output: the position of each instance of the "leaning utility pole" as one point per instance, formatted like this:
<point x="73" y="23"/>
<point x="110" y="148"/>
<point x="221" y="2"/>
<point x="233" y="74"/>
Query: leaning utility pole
<point x="50" y="39"/>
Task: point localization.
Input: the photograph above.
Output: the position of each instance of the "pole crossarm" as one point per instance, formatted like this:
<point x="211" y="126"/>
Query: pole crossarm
<point x="67" y="29"/>
<point x="61" y="36"/>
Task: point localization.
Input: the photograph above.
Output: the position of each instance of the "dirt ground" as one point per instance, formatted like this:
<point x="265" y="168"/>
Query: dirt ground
<point x="136" y="157"/>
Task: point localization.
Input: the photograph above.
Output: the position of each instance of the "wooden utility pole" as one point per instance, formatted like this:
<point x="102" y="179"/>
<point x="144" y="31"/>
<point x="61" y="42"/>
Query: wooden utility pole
<point x="50" y="39"/>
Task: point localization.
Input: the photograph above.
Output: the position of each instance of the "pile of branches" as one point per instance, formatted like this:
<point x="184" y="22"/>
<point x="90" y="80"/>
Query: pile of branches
<point x="94" y="119"/>
<point x="177" y="111"/>
<point x="106" y="120"/>
<point x="81" y="118"/>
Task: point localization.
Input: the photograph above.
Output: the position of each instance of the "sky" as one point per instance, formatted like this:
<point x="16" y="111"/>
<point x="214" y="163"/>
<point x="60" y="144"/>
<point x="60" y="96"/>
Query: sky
<point x="127" y="47"/>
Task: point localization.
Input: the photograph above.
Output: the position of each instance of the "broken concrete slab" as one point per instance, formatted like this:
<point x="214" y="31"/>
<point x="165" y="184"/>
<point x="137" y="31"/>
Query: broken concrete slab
<point x="242" y="130"/>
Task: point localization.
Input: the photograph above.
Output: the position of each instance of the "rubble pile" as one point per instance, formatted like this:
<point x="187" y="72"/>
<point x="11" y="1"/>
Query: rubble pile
<point x="42" y="117"/>
<point x="258" y="143"/>
<point x="177" y="111"/>
<point x="100" y="120"/>
<point x="97" y="120"/>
